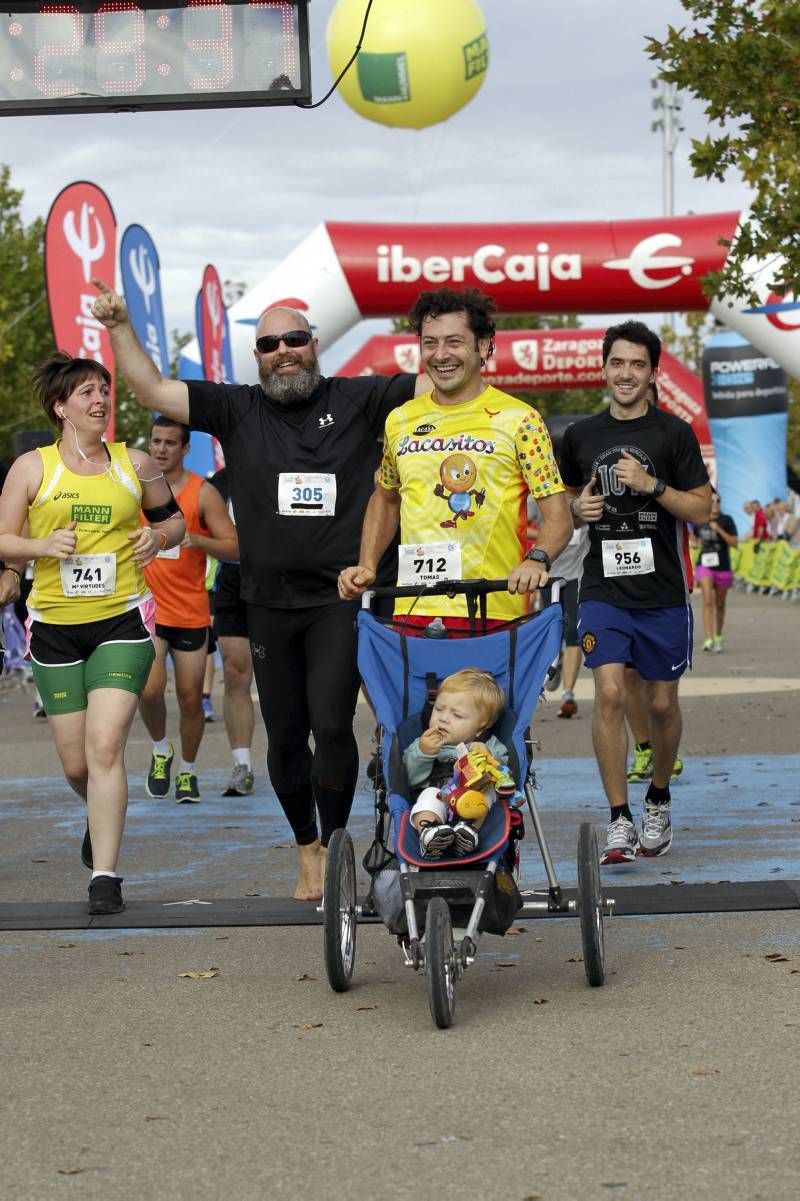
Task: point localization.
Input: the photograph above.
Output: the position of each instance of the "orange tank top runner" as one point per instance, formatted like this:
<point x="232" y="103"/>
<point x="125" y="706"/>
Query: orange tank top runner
<point x="177" y="577"/>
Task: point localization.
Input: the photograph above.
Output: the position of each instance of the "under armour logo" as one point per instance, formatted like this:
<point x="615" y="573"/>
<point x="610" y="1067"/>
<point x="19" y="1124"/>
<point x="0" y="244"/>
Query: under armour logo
<point x="325" y="421"/>
<point x="143" y="272"/>
<point x="80" y="242"/>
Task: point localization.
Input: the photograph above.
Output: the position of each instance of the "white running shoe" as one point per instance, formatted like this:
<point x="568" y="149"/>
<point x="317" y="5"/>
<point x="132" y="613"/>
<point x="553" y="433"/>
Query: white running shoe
<point x="656" y="836"/>
<point x="621" y="842"/>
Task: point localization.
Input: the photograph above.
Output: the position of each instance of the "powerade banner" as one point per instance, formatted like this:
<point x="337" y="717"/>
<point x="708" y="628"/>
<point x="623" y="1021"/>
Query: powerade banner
<point x="80" y="244"/>
<point x="540" y="360"/>
<point x="747" y="404"/>
<point x="141" y="286"/>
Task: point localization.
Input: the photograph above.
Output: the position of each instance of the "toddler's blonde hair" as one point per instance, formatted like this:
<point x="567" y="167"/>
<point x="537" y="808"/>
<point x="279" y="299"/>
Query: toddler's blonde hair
<point x="489" y="697"/>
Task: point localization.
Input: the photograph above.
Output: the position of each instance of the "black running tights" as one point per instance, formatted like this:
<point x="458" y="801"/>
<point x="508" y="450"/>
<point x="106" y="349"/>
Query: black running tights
<point x="304" y="662"/>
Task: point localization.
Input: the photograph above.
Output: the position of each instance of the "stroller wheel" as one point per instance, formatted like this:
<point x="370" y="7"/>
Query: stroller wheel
<point x="441" y="965"/>
<point x="339" y="911"/>
<point x="591" y="906"/>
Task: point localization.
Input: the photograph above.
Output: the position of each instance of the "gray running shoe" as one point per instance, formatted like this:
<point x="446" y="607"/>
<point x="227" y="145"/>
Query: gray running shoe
<point x="241" y="782"/>
<point x="656" y="836"/>
<point x="621" y="842"/>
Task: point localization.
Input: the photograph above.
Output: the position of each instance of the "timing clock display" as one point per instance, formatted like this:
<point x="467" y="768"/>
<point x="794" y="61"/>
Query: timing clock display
<point x="115" y="56"/>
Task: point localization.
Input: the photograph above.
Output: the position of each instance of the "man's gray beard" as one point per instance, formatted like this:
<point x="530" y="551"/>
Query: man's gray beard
<point x="287" y="389"/>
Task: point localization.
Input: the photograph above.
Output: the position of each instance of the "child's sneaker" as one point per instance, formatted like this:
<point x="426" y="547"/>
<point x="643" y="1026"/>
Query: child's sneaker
<point x="465" y="839"/>
<point x="434" y="840"/>
<point x="621" y="842"/>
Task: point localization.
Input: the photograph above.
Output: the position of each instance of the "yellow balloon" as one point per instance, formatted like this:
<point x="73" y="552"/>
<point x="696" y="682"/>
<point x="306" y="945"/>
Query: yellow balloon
<point x="419" y="64"/>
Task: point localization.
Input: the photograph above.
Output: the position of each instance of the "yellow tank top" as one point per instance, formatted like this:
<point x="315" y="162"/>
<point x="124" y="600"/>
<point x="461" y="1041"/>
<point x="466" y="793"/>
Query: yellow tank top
<point x="101" y="579"/>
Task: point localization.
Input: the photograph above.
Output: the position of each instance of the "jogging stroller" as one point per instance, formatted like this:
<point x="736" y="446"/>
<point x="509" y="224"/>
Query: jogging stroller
<point x="439" y="908"/>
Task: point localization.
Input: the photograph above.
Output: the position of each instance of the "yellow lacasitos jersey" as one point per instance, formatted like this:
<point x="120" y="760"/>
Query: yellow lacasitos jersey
<point x="464" y="473"/>
<point x="106" y="508"/>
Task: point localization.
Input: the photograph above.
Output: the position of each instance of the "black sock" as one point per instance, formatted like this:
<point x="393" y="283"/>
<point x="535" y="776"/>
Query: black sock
<point x="659" y="796"/>
<point x="643" y="746"/>
<point x="621" y="811"/>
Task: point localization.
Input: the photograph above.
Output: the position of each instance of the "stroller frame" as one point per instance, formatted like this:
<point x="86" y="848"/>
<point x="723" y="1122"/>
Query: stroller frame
<point x="432" y="898"/>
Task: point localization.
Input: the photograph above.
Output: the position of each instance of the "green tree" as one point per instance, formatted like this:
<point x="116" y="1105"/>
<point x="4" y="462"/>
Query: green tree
<point x="741" y="59"/>
<point x="689" y="346"/>
<point x="25" y="333"/>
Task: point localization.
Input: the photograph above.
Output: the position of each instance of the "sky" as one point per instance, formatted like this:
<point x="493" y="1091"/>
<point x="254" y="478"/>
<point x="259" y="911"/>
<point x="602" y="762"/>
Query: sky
<point x="559" y="130"/>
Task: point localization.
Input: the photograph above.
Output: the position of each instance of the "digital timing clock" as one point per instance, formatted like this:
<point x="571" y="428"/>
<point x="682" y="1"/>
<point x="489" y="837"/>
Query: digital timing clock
<point x="117" y="56"/>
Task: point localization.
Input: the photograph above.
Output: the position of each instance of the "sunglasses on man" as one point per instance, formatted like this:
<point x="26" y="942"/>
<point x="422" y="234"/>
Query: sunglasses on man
<point x="294" y="339"/>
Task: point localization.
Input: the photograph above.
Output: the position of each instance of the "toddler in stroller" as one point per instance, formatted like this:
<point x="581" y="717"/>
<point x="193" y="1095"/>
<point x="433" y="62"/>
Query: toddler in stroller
<point x="452" y="805"/>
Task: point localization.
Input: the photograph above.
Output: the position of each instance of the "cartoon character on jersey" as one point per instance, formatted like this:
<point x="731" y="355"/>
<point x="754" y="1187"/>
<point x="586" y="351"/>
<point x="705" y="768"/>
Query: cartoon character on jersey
<point x="458" y="474"/>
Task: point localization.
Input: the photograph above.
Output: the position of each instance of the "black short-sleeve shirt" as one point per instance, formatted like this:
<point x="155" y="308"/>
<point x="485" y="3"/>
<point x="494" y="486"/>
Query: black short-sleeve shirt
<point x="712" y="544"/>
<point x="667" y="448"/>
<point x="293" y="561"/>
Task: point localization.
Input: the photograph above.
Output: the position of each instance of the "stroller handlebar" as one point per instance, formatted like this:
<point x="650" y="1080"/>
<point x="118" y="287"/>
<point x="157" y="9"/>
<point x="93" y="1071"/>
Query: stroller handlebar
<point x="452" y="588"/>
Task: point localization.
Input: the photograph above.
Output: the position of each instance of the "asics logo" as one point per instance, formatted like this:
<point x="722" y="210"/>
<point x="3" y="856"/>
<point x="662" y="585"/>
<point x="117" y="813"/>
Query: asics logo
<point x="79" y="239"/>
<point x="143" y="272"/>
<point x="645" y="257"/>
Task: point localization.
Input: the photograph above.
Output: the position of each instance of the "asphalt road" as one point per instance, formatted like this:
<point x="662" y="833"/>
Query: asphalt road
<point x="676" y="1079"/>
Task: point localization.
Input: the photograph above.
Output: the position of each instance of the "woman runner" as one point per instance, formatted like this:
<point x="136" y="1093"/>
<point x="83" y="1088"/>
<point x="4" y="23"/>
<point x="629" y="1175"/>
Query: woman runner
<point x="74" y="508"/>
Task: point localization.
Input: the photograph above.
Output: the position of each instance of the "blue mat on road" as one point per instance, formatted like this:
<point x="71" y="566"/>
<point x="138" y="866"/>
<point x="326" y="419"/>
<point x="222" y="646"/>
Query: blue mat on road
<point x="736" y="820"/>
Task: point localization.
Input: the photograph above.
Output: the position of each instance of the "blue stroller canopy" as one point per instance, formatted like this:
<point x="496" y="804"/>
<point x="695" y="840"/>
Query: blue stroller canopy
<point x="395" y="667"/>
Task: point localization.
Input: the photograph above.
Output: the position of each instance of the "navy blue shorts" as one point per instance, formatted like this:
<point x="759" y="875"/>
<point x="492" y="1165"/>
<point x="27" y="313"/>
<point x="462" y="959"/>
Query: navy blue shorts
<point x="657" y="642"/>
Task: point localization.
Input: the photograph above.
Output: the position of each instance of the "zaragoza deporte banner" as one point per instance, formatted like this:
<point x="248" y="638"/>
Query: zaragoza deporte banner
<point x="80" y="245"/>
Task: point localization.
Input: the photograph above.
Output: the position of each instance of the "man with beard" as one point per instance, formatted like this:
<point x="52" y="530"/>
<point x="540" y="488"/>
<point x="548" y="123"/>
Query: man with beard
<point x="301" y="452"/>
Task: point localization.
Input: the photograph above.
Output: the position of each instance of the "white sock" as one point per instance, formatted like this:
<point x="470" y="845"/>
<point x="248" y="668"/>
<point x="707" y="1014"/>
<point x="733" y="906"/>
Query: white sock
<point x="186" y="767"/>
<point x="112" y="875"/>
<point x="241" y="757"/>
<point x="161" y="747"/>
<point x="568" y="695"/>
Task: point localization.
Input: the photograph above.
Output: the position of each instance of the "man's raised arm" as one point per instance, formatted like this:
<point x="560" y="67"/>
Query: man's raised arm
<point x="151" y="389"/>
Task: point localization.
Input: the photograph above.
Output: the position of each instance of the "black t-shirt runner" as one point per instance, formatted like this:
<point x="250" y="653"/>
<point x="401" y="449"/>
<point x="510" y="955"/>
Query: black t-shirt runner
<point x="714" y="550"/>
<point x="638" y="554"/>
<point x="300" y="478"/>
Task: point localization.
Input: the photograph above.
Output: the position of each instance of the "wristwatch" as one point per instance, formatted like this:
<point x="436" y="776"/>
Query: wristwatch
<point x="539" y="556"/>
<point x="659" y="488"/>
